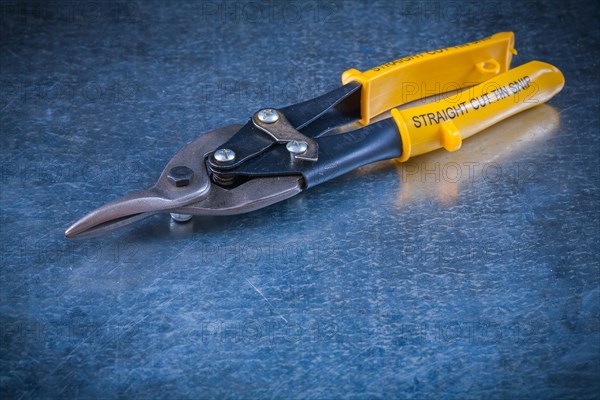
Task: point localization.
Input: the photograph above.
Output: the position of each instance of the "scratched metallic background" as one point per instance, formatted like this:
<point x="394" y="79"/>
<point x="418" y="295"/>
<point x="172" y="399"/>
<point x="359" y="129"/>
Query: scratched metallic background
<point x="469" y="274"/>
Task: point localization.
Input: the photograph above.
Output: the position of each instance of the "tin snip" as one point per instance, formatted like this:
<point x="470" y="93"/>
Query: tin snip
<point x="281" y="152"/>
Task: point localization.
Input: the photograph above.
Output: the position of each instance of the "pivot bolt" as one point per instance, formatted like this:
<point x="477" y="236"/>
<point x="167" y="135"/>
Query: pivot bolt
<point x="180" y="176"/>
<point x="268" y="115"/>
<point x="224" y="155"/>
<point x="180" y="217"/>
<point x="296" y="146"/>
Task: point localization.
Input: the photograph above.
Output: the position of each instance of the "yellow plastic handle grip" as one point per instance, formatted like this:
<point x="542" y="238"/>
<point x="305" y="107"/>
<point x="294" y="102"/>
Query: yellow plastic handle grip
<point x="426" y="74"/>
<point x="447" y="122"/>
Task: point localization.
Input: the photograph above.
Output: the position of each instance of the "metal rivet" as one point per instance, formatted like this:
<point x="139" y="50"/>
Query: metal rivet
<point x="296" y="146"/>
<point x="180" y="175"/>
<point x="180" y="217"/>
<point x="268" y="116"/>
<point x="224" y="155"/>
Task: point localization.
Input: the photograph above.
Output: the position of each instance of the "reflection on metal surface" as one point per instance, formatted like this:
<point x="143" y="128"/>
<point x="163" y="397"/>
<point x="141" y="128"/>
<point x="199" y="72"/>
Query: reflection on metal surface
<point x="179" y="229"/>
<point x="440" y="175"/>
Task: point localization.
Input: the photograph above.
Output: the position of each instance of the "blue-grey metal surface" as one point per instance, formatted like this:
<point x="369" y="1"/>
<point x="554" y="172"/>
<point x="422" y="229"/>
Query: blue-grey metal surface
<point x="469" y="274"/>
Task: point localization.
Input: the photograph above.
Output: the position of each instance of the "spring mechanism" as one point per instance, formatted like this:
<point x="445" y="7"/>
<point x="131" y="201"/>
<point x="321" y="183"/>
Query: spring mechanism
<point x="223" y="180"/>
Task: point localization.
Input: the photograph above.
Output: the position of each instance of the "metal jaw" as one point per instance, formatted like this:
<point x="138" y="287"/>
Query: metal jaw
<point x="197" y="181"/>
<point x="198" y="196"/>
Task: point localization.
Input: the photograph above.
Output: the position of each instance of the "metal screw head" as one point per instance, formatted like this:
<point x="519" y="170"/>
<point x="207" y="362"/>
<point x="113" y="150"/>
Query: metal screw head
<point x="296" y="146"/>
<point x="268" y="115"/>
<point x="224" y="155"/>
<point x="180" y="217"/>
<point x="180" y="175"/>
